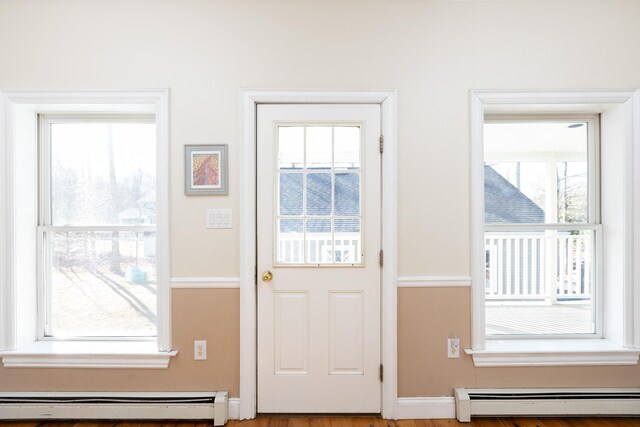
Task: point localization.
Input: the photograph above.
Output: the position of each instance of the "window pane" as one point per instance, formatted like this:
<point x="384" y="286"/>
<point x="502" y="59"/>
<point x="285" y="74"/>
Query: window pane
<point x="347" y="147"/>
<point x="347" y="241"/>
<point x="290" y="147"/>
<point x="347" y="194"/>
<point x="319" y="194"/>
<point x="573" y="194"/>
<point x="319" y="153"/>
<point x="540" y="283"/>
<point x="290" y="241"/>
<point x="319" y="245"/>
<point x="536" y="172"/>
<point x="291" y="193"/>
<point x="102" y="284"/>
<point x="103" y="173"/>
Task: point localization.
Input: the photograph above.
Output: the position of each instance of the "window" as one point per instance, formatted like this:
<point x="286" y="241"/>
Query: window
<point x="542" y="222"/>
<point x="84" y="229"/>
<point x="319" y="219"/>
<point x="554" y="211"/>
<point x="97" y="226"/>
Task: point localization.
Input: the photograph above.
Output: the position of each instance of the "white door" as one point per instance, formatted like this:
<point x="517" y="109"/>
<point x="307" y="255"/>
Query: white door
<point x="319" y="227"/>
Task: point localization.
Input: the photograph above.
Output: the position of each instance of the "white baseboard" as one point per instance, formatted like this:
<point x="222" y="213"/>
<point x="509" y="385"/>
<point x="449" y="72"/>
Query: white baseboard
<point x="425" y="407"/>
<point x="234" y="408"/>
<point x="408" y="408"/>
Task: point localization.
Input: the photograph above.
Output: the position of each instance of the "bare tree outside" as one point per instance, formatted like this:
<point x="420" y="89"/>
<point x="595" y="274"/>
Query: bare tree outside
<point x="115" y="205"/>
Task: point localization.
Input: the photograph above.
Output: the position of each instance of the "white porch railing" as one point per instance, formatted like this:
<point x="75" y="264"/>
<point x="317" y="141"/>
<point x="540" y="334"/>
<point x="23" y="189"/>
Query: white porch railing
<point x="346" y="248"/>
<point x="551" y="266"/>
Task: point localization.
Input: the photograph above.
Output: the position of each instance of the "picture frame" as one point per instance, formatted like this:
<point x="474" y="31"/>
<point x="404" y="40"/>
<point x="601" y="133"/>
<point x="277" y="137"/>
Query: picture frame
<point x="206" y="170"/>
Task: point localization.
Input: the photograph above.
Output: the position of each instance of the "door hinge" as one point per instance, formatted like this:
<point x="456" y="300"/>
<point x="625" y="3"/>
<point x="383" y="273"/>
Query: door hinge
<point x="255" y="276"/>
<point x="381" y="373"/>
<point x="381" y="258"/>
<point x="381" y="143"/>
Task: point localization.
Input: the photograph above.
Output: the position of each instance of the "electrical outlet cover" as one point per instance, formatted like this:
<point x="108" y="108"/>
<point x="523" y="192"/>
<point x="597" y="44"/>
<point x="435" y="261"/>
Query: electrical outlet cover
<point x="199" y="350"/>
<point x="453" y="348"/>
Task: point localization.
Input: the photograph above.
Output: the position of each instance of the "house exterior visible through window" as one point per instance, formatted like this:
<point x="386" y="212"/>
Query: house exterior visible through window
<point x="319" y="195"/>
<point x="542" y="227"/>
<point x="97" y="226"/>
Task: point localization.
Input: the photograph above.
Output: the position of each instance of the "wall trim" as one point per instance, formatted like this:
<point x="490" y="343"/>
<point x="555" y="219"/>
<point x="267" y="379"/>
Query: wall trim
<point x="434" y="281"/>
<point x="426" y="407"/>
<point x="160" y="360"/>
<point x="234" y="408"/>
<point x="560" y="100"/>
<point x="553" y="352"/>
<point x="13" y="103"/>
<point x="249" y="99"/>
<point x="205" y="283"/>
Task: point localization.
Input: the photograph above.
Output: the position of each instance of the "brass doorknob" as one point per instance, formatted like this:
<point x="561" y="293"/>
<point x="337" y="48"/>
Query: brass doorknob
<point x="267" y="276"/>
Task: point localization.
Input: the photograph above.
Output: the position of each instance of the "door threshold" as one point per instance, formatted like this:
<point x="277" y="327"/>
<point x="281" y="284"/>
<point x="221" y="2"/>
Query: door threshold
<point x="317" y="415"/>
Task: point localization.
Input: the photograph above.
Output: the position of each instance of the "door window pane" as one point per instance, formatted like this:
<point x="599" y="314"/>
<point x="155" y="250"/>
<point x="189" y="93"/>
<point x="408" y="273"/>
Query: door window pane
<point x="346" y="147"/>
<point x="291" y="193"/>
<point x="319" y="242"/>
<point x="319" y="151"/>
<point x="319" y="194"/>
<point x="290" y="147"/>
<point x="290" y="241"/>
<point x="347" y="194"/>
<point x="347" y="241"/>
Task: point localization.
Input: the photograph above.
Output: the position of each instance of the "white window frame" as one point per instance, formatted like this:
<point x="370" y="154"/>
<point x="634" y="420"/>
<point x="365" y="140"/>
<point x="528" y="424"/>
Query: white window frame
<point x="620" y="130"/>
<point x="332" y="216"/>
<point x="44" y="216"/>
<point x="593" y="222"/>
<point x="20" y="343"/>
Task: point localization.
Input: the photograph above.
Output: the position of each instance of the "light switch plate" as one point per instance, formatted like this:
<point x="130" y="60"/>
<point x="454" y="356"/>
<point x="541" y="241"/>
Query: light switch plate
<point x="219" y="218"/>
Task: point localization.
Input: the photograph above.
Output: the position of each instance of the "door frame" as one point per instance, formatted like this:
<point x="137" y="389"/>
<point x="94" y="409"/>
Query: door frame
<point x="249" y="100"/>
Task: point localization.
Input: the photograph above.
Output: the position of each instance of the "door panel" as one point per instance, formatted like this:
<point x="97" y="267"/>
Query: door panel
<point x="319" y="235"/>
<point x="291" y="333"/>
<point x="346" y="333"/>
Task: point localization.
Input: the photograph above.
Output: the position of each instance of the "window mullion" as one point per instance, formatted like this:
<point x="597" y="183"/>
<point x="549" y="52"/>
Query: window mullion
<point x="81" y="228"/>
<point x="44" y="219"/>
<point x="539" y="227"/>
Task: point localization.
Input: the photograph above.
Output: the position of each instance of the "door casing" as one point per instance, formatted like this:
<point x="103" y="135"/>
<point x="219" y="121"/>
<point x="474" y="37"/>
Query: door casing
<point x="249" y="99"/>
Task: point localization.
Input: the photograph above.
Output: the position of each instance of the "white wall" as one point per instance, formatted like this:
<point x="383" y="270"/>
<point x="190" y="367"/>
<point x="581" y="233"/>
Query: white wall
<point x="433" y="52"/>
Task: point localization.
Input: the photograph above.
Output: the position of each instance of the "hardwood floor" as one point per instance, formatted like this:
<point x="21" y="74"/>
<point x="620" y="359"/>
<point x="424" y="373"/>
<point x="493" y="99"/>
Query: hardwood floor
<point x="312" y="421"/>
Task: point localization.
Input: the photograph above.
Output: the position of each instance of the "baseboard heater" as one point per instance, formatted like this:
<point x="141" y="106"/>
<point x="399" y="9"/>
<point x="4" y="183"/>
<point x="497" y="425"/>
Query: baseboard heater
<point x="115" y="405"/>
<point x="545" y="402"/>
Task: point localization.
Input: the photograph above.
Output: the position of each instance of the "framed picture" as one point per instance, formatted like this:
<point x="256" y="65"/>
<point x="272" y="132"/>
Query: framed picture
<point x="205" y="169"/>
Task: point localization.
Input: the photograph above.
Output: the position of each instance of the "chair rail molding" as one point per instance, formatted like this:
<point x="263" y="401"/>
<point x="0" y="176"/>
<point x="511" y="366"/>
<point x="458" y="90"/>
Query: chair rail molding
<point x="434" y="281"/>
<point x="205" y="283"/>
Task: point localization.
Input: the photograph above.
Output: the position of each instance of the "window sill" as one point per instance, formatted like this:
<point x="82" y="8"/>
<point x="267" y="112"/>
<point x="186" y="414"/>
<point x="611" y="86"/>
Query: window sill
<point x="569" y="352"/>
<point x="88" y="354"/>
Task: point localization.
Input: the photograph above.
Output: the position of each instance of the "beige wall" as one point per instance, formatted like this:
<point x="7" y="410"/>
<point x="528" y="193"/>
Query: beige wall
<point x="427" y="317"/>
<point x="433" y="52"/>
<point x="212" y="315"/>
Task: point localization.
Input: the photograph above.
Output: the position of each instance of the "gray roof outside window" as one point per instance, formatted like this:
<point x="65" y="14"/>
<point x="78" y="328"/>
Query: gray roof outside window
<point x="505" y="203"/>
